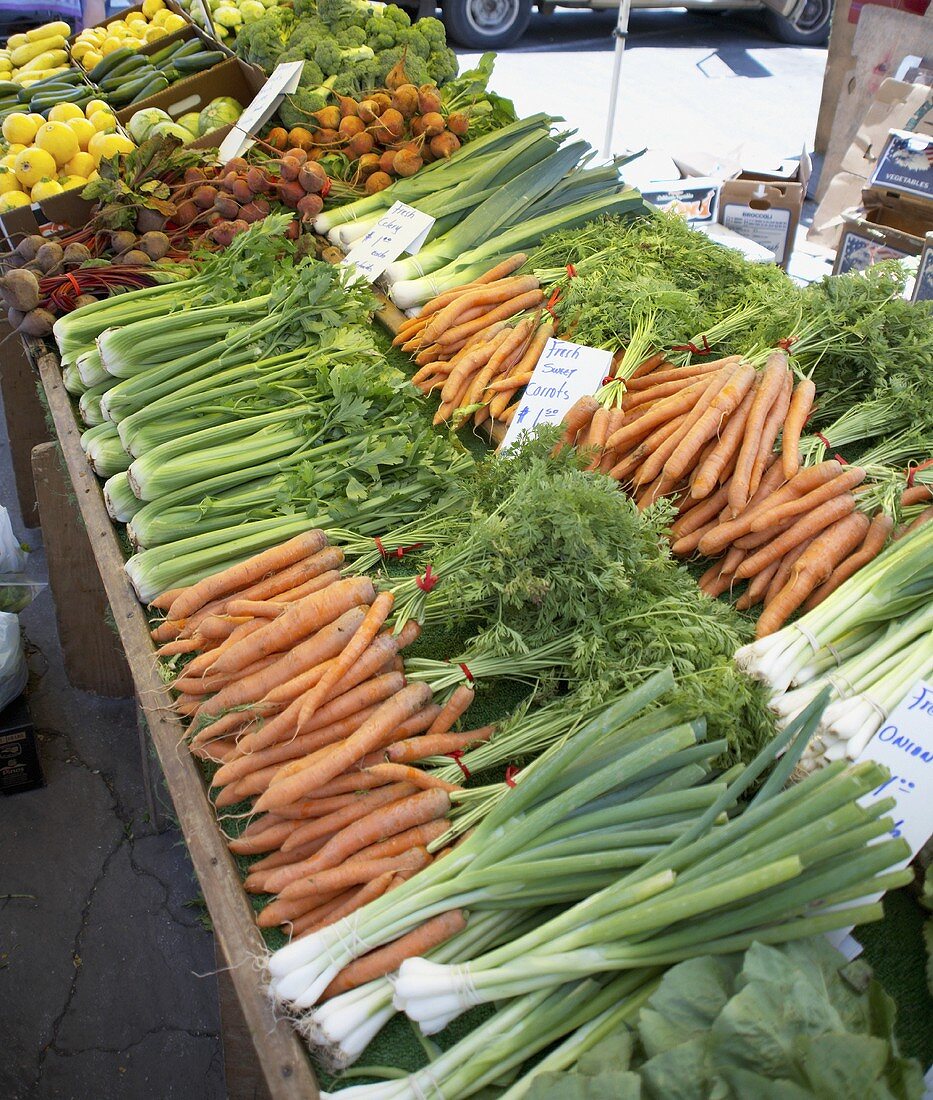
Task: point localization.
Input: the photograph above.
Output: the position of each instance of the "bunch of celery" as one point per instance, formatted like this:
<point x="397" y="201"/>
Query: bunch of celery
<point x="867" y="642"/>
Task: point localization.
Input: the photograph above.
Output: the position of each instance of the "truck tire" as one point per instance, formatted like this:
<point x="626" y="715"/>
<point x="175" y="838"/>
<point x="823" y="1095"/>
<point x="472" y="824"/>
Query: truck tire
<point x="810" y="28"/>
<point x="486" y="24"/>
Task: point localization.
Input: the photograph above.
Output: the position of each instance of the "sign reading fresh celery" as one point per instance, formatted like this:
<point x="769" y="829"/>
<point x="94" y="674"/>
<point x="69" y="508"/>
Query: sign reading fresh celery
<point x="401" y="228"/>
<point x="564" y="373"/>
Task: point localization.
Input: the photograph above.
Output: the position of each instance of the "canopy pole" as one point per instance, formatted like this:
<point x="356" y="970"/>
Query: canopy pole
<point x="620" y="33"/>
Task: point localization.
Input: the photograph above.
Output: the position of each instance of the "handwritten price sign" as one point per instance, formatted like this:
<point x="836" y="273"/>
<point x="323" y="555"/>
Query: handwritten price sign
<point x="401" y="229"/>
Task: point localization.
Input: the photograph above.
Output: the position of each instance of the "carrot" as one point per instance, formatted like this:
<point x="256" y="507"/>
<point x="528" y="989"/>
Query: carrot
<point x="302" y="618"/>
<point x="532" y="353"/>
<point x="715" y="581"/>
<point x="846" y="481"/>
<point x="925" y="516"/>
<point x="258" y="609"/>
<point x="634" y="400"/>
<point x="755" y="539"/>
<point x="255" y="880"/>
<point x="180" y="645"/>
<point x="711" y="469"/>
<point x="781" y="575"/>
<point x="835" y="542"/>
<point x="508" y="308"/>
<point x="872" y="545"/>
<point x="700" y="514"/>
<point x="202" y="663"/>
<point x="331" y="761"/>
<point x="774" y="421"/>
<point x="638" y="384"/>
<point x="237" y="576"/>
<point x="321" y="646"/>
<point x="637" y="429"/>
<point x="769" y="389"/>
<point x="635" y="456"/>
<point x="662" y="456"/>
<point x="382" y="823"/>
<point x="286" y="725"/>
<point x="334" y="879"/>
<point x="359" y="807"/>
<point x="267" y="841"/>
<point x="355" y="900"/>
<point x="807" y="526"/>
<point x="726" y="398"/>
<point x="508" y="351"/>
<point x="489" y="295"/>
<point x="460" y="699"/>
<point x="165" y="599"/>
<point x="387" y="959"/>
<point x="476" y="359"/>
<point x="579" y="414"/>
<point x="758" y="586"/>
<point x="440" y="744"/>
<point x="916" y="494"/>
<point x="646" y="366"/>
<point x="358" y="644"/>
<point x="503" y="268"/>
<point x="391" y="772"/>
<point x="798" y="412"/>
<point x="219" y="627"/>
<point x="319" y="916"/>
<point x="769" y="494"/>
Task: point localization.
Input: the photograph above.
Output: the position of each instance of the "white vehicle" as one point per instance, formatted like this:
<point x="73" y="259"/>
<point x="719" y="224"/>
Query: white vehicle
<point x="492" y="24"/>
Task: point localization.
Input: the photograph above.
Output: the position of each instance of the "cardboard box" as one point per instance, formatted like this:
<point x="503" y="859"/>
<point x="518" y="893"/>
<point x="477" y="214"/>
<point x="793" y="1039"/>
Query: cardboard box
<point x="897" y="106"/>
<point x="165" y="40"/>
<point x="923" y="287"/>
<point x="905" y="166"/>
<point x="48" y="218"/>
<point x="20" y="767"/>
<point x="884" y="227"/>
<point x="765" y="212"/>
<point x="232" y="77"/>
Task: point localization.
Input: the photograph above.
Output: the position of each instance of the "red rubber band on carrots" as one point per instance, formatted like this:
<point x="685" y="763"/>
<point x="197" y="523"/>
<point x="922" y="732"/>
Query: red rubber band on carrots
<point x="457" y="757"/>
<point x="510" y="772"/>
<point x="693" y="349"/>
<point x="382" y="550"/>
<point x="786" y="342"/>
<point x="428" y="581"/>
<point x="571" y="271"/>
<point x="399" y="552"/>
<point x="466" y="672"/>
<point x="325" y="190"/>
<point x="912" y="471"/>
<point x="822" y="438"/>
<point x="552" y="302"/>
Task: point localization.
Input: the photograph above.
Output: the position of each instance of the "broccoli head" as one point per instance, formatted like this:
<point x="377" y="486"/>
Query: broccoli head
<point x="397" y="15"/>
<point x="263" y="41"/>
<point x="415" y="43"/>
<point x="305" y="36"/>
<point x="352" y="36"/>
<point x="296" y="109"/>
<point x="359" y="81"/>
<point x="442" y="65"/>
<point x="311" y="75"/>
<point x="433" y="31"/>
<point x="332" y="59"/>
<point x="340" y="14"/>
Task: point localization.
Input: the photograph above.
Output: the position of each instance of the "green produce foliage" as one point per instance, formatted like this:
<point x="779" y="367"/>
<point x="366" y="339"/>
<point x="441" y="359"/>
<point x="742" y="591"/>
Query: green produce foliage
<point x="788" y="1023"/>
<point x="553" y="552"/>
<point x="469" y="93"/>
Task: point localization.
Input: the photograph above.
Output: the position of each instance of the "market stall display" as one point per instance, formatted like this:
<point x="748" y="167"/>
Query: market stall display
<point x="467" y="720"/>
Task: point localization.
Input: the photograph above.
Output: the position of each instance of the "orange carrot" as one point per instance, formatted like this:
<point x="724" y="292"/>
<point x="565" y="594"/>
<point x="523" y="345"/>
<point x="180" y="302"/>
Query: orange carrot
<point x="356" y="899"/>
<point x="460" y="699"/>
<point x="769" y="389"/>
<point x="659" y="412"/>
<point x="490" y="295"/>
<point x="165" y="599"/>
<point x="357" y="645"/>
<point x="807" y="526"/>
<point x="321" y="646"/>
<point x="872" y="545"/>
<point x="700" y="513"/>
<point x="509" y="351"/>
<point x="419" y="836"/>
<point x="800" y="406"/>
<point x="758" y="586"/>
<point x="238" y="576"/>
<point x="182" y="645"/>
<point x="579" y="414"/>
<point x="258" y="609"/>
<point x="715" y="581"/>
<point x="301" y="619"/>
<point x="440" y="744"/>
<point x="387" y="959"/>
<point x="220" y="627"/>
<point x="726" y="399"/>
<point x="382" y="823"/>
<point x="638" y="383"/>
<point x="267" y="841"/>
<point x="396" y="772"/>
<point x="812" y="568"/>
<point x="847" y="480"/>
<point x="335" y="879"/>
<point x="475" y="360"/>
<point x="359" y="807"/>
<point x="713" y="467"/>
<point x="331" y="761"/>
<point x="916" y="494"/>
<point x="774" y="421"/>
<point x="200" y="665"/>
<point x="319" y="916"/>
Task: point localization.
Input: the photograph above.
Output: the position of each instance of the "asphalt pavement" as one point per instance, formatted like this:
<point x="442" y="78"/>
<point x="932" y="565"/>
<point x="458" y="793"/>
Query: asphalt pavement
<point x="690" y="82"/>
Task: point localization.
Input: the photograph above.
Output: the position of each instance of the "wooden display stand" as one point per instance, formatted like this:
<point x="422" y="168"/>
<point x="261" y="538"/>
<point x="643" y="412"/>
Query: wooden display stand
<point x="264" y="1053"/>
<point x="25" y="417"/>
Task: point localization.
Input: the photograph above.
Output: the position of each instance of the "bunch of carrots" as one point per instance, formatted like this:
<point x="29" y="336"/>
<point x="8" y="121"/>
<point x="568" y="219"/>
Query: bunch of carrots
<point x="705" y="435"/>
<point x="297" y="689"/>
<point x="478" y="344"/>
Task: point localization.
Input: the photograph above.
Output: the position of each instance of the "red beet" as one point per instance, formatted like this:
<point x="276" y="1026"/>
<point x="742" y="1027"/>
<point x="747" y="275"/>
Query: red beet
<point x="204" y="197"/>
<point x="291" y="193"/>
<point x="310" y="206"/>
<point x="312" y="177"/>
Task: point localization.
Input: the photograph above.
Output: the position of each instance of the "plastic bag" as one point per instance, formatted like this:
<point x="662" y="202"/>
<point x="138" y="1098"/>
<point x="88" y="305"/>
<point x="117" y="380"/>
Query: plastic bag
<point x="13" y="670"/>
<point x="16" y="589"/>
<point x="12" y="554"/>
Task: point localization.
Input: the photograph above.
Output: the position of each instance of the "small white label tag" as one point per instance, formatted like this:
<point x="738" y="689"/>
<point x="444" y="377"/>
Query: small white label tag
<point x="564" y="373"/>
<point x="904" y="745"/>
<point x="401" y="228"/>
<point x="283" y="81"/>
